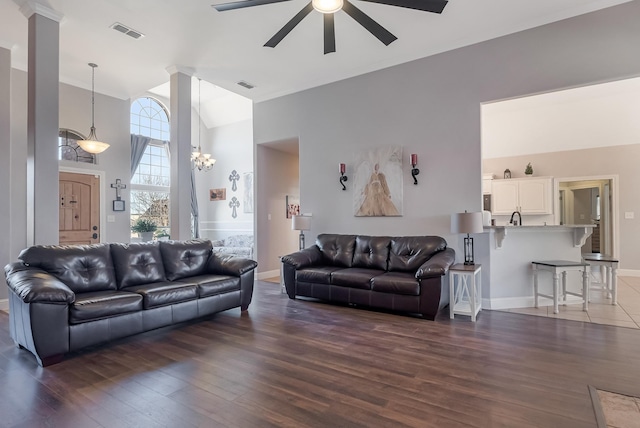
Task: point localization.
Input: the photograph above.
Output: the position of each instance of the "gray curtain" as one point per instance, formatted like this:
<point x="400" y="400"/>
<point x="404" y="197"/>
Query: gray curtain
<point x="194" y="206"/>
<point x="139" y="144"/>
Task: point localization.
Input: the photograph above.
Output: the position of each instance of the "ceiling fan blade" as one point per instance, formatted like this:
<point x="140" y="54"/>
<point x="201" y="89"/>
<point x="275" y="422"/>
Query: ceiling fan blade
<point x="242" y="4"/>
<point x="329" y="34"/>
<point x="435" y="6"/>
<point x="372" y="26"/>
<point x="277" y="38"/>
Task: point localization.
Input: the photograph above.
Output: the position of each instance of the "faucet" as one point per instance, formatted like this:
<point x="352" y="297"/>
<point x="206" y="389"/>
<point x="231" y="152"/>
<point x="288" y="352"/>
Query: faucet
<point x="519" y="221"/>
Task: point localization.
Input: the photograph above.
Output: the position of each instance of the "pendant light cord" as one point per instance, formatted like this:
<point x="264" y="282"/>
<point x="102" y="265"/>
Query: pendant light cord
<point x="199" y="116"/>
<point x="93" y="91"/>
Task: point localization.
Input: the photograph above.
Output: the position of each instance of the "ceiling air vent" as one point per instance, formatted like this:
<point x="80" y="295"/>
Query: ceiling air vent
<point x="246" y="84"/>
<point x="127" y="30"/>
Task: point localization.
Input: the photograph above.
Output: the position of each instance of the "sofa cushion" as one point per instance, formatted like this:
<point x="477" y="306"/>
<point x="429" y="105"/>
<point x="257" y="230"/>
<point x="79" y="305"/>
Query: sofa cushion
<point x="82" y="268"/>
<point x="103" y="304"/>
<point x="209" y="285"/>
<point x="371" y="252"/>
<point x="139" y="263"/>
<point x="408" y="253"/>
<point x="316" y="274"/>
<point x="355" y="277"/>
<point x="185" y="258"/>
<point x="337" y="250"/>
<point x="165" y="293"/>
<point x="396" y="283"/>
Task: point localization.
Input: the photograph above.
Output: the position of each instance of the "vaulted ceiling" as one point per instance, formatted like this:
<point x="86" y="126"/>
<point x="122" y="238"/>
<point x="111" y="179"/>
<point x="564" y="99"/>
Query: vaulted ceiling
<point x="227" y="47"/>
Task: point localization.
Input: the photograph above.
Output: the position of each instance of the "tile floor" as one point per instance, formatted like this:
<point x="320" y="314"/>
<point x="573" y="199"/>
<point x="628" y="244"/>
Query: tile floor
<point x="601" y="311"/>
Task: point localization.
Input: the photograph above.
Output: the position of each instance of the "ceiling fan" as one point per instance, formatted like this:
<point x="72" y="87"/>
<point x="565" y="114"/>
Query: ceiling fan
<point x="328" y="8"/>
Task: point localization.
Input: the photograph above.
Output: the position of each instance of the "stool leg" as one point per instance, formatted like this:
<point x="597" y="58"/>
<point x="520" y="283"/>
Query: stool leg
<point x="535" y="286"/>
<point x="564" y="287"/>
<point x="607" y="271"/>
<point x="585" y="289"/>
<point x="556" y="287"/>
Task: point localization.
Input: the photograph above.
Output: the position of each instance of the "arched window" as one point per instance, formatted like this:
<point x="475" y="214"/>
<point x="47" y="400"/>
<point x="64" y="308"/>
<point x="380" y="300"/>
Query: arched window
<point x="151" y="179"/>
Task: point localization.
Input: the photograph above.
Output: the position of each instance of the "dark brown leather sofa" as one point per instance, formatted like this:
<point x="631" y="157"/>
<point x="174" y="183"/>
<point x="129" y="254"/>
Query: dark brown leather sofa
<point x="397" y="273"/>
<point x="64" y="298"/>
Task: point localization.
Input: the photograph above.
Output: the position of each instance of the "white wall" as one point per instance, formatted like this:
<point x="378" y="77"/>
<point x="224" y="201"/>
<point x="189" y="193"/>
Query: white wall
<point x="432" y="107"/>
<point x="232" y="147"/>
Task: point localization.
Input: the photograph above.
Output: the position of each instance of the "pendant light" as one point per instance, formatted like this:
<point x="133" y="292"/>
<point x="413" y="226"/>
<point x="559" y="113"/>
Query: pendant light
<point x="92" y="144"/>
<point x="202" y="161"/>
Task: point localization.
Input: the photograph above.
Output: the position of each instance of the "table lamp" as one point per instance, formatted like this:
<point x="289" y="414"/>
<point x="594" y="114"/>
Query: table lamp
<point x="467" y="223"/>
<point x="301" y="223"/>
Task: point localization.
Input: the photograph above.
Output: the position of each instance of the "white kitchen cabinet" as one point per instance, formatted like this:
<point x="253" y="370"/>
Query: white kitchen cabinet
<point x="486" y="183"/>
<point x="530" y="196"/>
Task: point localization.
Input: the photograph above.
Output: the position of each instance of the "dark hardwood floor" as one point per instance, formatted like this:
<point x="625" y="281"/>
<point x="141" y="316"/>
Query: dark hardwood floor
<point x="299" y="363"/>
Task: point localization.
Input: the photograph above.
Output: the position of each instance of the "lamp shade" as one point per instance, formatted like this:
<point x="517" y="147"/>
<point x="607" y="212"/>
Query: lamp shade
<point x="466" y="222"/>
<point x="300" y="222"/>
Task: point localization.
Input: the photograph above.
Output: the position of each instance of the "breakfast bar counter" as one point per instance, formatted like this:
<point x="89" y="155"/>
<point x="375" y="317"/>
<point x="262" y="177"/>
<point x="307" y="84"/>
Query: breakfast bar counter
<point x="506" y="253"/>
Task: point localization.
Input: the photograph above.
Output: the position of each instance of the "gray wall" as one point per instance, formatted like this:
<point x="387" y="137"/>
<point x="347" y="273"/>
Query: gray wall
<point x="432" y="107"/>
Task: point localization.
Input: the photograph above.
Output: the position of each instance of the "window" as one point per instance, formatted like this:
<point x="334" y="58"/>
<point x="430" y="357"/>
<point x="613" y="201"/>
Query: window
<point x="69" y="150"/>
<point x="150" y="183"/>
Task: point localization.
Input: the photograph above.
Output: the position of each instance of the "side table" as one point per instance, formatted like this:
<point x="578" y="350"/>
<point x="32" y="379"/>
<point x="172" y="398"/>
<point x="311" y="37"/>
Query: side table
<point x="465" y="290"/>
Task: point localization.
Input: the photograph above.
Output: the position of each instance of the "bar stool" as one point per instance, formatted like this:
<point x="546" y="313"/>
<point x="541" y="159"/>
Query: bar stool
<point x="610" y="278"/>
<point x="557" y="267"/>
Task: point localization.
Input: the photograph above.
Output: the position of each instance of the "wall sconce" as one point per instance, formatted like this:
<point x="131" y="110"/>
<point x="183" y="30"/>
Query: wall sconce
<point x="343" y="178"/>
<point x="414" y="171"/>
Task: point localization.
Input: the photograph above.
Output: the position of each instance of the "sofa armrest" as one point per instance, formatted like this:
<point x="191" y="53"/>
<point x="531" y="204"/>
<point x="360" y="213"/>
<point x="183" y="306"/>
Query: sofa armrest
<point x="437" y="265"/>
<point x="303" y="258"/>
<point x="230" y="265"/>
<point x="35" y="285"/>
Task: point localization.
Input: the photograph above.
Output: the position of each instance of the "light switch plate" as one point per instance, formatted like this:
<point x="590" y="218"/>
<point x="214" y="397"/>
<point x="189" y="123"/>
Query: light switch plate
<point x="629" y="215"/>
<point x="111" y="219"/>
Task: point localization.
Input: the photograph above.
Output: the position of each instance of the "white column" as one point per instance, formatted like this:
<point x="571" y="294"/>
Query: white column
<point x="5" y="166"/>
<point x="42" y="124"/>
<point x="180" y="195"/>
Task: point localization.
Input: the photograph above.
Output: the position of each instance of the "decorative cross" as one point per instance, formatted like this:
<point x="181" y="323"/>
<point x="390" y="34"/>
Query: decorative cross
<point x="234" y="204"/>
<point x="118" y="186"/>
<point x="234" y="177"/>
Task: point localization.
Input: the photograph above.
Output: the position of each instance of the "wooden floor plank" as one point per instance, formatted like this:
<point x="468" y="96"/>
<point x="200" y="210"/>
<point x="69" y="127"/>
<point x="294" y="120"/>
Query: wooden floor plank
<point x="303" y="363"/>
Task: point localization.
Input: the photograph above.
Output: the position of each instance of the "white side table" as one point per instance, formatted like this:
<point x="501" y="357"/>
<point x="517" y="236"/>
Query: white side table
<point x="465" y="290"/>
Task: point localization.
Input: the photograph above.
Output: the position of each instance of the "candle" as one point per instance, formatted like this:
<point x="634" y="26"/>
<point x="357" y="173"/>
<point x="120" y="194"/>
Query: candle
<point x="343" y="168"/>
<point x="414" y="159"/>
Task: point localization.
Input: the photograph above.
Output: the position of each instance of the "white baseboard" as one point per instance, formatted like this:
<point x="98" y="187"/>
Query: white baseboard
<point x="509" y="303"/>
<point x="4" y="304"/>
<point x="268" y="274"/>
<point x="628" y="272"/>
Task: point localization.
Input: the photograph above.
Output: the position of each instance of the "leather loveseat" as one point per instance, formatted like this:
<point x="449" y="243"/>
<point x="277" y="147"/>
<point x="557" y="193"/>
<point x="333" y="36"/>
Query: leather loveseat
<point x="396" y="273"/>
<point x="64" y="298"/>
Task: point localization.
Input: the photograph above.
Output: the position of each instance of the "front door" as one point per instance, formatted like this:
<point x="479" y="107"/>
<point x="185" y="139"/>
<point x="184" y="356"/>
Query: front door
<point x="79" y="208"/>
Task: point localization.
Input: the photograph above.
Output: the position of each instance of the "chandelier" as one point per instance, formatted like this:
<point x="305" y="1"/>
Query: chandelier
<point x="201" y="161"/>
<point x="92" y="144"/>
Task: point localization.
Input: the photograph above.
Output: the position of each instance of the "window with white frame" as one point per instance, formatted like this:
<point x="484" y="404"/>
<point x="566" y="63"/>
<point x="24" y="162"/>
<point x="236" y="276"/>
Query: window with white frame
<point x="150" y="183"/>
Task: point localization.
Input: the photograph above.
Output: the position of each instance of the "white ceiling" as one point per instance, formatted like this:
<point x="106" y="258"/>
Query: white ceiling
<point x="226" y="47"/>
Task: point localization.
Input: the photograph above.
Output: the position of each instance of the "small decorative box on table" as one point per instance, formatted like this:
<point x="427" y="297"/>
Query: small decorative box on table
<point x="465" y="290"/>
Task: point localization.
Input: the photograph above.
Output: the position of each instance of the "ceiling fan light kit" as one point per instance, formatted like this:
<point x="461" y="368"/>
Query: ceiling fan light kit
<point x="328" y="8"/>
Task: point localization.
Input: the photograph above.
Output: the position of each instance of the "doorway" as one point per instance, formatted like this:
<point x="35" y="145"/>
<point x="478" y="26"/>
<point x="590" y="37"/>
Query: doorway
<point x="79" y="208"/>
<point x="590" y="200"/>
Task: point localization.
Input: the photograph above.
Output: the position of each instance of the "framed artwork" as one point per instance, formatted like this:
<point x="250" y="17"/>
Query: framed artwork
<point x="247" y="206"/>
<point x="293" y="205"/>
<point x="377" y="187"/>
<point x="217" y="194"/>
